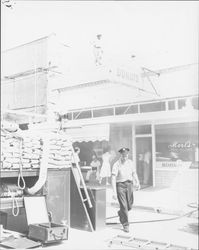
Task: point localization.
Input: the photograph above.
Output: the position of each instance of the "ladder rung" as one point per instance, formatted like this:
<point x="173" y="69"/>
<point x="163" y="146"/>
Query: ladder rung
<point x="85" y="200"/>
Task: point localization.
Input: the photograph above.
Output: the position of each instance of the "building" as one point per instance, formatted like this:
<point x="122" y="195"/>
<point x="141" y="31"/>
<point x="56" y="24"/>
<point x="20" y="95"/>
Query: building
<point x="154" y="113"/>
<point x="161" y="130"/>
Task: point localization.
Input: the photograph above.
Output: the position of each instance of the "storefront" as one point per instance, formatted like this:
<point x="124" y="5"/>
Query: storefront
<point x="161" y="143"/>
<point x="176" y="149"/>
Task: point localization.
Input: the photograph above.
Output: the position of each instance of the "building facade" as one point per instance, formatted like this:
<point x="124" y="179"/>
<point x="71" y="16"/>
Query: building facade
<point x="161" y="132"/>
<point x="154" y="113"/>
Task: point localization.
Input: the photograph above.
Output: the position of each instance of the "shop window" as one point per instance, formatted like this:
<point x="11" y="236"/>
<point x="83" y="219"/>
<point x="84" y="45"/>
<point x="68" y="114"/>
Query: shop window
<point x="181" y="103"/>
<point x="103" y="112"/>
<point x="126" y="110"/>
<point x="82" y="114"/>
<point x="142" y="129"/>
<point x="194" y="102"/>
<point x="171" y="105"/>
<point x="152" y="107"/>
<point x="176" y="145"/>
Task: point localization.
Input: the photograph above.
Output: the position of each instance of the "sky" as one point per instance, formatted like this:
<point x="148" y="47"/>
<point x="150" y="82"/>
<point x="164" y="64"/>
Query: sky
<point x="160" y="33"/>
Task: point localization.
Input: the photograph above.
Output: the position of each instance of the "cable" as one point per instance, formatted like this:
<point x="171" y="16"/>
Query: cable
<point x="149" y="221"/>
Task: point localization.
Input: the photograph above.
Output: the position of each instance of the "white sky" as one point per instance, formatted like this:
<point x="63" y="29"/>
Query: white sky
<point x="159" y="33"/>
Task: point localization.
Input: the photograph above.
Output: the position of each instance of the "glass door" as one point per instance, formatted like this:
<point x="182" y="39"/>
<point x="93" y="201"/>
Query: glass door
<point x="144" y="160"/>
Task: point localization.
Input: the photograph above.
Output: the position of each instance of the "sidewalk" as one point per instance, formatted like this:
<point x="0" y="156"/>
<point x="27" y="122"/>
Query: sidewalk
<point x="173" y="200"/>
<point x="161" y="200"/>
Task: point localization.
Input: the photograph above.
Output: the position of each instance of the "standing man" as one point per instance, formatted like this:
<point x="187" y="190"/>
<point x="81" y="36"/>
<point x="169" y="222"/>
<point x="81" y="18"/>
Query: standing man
<point x="124" y="179"/>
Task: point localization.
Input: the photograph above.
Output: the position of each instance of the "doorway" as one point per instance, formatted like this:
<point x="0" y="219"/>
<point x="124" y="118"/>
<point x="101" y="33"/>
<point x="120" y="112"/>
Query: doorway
<point x="144" y="161"/>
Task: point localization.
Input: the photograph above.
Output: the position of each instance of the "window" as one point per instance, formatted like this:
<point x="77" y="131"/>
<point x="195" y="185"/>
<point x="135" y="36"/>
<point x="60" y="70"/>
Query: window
<point x="152" y="107"/>
<point x="171" y="105"/>
<point x="176" y="144"/>
<point x="82" y="114"/>
<point x="126" y="110"/>
<point x="103" y="112"/>
<point x="68" y="116"/>
<point x="142" y="129"/>
<point x="181" y="103"/>
<point x="195" y="102"/>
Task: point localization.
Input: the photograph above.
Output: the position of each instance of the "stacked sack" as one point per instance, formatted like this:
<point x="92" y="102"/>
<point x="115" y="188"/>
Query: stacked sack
<point x="10" y="150"/>
<point x="59" y="151"/>
<point x="27" y="151"/>
<point x="31" y="152"/>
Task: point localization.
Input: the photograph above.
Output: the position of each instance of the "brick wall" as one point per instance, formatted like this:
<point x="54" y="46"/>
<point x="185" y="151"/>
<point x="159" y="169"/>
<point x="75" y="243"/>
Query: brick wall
<point x="165" y="178"/>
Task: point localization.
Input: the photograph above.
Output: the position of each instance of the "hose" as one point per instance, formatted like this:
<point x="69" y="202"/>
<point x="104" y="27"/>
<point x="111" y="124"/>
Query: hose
<point x="149" y="221"/>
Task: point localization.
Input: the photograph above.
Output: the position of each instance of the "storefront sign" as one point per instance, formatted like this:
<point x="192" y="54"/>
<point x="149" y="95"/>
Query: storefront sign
<point x="173" y="164"/>
<point x="181" y="146"/>
<point x="125" y="75"/>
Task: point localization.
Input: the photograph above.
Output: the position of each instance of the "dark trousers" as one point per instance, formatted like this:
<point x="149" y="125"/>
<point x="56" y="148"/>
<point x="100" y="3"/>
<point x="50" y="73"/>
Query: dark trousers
<point x="125" y="198"/>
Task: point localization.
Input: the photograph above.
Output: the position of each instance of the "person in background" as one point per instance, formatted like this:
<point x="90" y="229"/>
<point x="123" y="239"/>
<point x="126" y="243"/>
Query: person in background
<point x="77" y="151"/>
<point x="95" y="165"/>
<point x="140" y="167"/>
<point x="146" y="167"/>
<point x="76" y="161"/>
<point x="124" y="180"/>
<point x="105" y="171"/>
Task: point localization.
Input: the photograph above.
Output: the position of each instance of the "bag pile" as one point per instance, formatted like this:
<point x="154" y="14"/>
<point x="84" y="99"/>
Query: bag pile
<point x="27" y="151"/>
<point x="31" y="152"/>
<point x="10" y="150"/>
<point x="59" y="152"/>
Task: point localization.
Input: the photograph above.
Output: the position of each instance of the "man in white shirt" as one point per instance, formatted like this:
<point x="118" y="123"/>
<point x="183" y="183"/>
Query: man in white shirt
<point x="124" y="179"/>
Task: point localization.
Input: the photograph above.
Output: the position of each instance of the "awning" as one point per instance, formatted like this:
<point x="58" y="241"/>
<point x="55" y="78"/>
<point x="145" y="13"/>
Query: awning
<point x="98" y="132"/>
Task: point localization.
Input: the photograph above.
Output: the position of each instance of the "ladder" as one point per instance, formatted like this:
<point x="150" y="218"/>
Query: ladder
<point x="144" y="244"/>
<point x="81" y="179"/>
<point x="85" y="202"/>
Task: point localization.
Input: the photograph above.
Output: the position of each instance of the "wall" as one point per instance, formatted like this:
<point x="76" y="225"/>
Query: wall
<point x="121" y="136"/>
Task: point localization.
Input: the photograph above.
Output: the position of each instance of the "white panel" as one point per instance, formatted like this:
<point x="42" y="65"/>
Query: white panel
<point x="89" y="133"/>
<point x="36" y="211"/>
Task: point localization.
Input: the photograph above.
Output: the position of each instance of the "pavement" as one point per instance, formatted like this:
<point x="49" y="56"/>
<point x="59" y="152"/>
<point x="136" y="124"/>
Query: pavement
<point x="166" y="225"/>
<point x="167" y="215"/>
<point x="163" y="200"/>
<point x="163" y="229"/>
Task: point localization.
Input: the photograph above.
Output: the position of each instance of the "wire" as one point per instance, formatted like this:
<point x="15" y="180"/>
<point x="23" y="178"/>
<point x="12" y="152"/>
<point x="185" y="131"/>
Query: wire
<point x="149" y="221"/>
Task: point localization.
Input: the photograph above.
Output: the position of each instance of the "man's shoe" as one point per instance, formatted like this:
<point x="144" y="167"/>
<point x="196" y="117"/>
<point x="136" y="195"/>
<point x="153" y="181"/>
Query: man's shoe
<point x="126" y="229"/>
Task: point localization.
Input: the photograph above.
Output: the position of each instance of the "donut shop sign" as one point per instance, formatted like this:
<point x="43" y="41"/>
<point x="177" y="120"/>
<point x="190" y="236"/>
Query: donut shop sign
<point x="181" y="146"/>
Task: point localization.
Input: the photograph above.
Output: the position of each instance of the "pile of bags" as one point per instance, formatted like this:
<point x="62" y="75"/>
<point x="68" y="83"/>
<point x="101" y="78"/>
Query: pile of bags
<point x="27" y="151"/>
<point x="31" y="152"/>
<point x="10" y="150"/>
<point x="59" y="151"/>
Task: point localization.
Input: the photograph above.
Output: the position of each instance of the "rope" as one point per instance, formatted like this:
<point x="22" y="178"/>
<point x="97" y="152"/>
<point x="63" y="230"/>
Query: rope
<point x="15" y="204"/>
<point x="20" y="175"/>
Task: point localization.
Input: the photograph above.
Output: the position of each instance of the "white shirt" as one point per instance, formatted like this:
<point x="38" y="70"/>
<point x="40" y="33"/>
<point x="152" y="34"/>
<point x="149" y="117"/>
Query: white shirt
<point x="123" y="171"/>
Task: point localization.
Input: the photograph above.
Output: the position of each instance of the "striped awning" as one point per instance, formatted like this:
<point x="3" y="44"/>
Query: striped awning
<point x="97" y="132"/>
